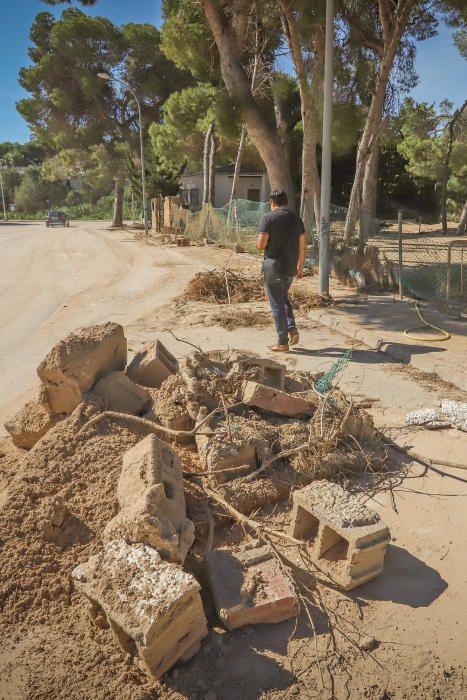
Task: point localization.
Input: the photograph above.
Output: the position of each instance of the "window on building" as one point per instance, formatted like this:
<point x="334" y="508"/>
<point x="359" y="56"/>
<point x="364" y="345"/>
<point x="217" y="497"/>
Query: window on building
<point x="194" y="197"/>
<point x="253" y="195"/>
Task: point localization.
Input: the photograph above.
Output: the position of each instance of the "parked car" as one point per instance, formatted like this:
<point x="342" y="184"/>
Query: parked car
<point x="57" y="218"/>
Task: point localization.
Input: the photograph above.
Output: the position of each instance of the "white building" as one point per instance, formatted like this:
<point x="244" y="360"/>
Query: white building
<point x="252" y="185"/>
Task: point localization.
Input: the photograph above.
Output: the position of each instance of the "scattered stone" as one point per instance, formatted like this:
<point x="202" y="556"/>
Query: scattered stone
<point x="238" y="248"/>
<point x="456" y="411"/>
<point x="422" y="416"/>
<point x="348" y="540"/>
<point x="29" y="424"/>
<point x="152" y="501"/>
<point x="116" y="392"/>
<point x="249" y="588"/>
<point x="73" y="366"/>
<point x="275" y="401"/>
<point x="60" y="525"/>
<point x="152" y="365"/>
<point x="368" y="643"/>
<point x="153" y="607"/>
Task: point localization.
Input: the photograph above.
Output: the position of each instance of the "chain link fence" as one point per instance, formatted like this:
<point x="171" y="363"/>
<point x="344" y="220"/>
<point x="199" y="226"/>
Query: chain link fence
<point x="432" y="268"/>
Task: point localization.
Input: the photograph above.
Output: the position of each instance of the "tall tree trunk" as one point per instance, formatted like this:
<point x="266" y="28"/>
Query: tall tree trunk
<point x="369" y="194"/>
<point x="447" y="166"/>
<point x="311" y="187"/>
<point x="212" y="169"/>
<point x="264" y="138"/>
<point x="119" y="191"/>
<point x="462" y="226"/>
<point x="238" y="166"/>
<point x="241" y="143"/>
<point x="206" y="153"/>
<point x="394" y="26"/>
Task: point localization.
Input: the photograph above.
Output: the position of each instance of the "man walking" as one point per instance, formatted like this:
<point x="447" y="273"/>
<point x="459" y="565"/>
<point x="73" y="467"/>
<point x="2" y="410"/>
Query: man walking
<point x="282" y="237"/>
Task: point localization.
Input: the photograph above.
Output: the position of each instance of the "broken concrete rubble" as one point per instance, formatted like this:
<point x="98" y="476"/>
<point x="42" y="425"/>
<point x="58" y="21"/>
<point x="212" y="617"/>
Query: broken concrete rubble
<point x="241" y="442"/>
<point x="153" y="607"/>
<point x="116" y="392"/>
<point x="265" y="371"/>
<point x="29" y="424"/>
<point x="152" y="501"/>
<point x="152" y="365"/>
<point x="348" y="540"/>
<point x="249" y="587"/>
<point x="275" y="401"/>
<point x="73" y="366"/>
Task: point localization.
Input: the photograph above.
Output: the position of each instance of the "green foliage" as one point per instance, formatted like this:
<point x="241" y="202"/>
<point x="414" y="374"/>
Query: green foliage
<point x="34" y="193"/>
<point x="424" y="145"/>
<point x="93" y="121"/>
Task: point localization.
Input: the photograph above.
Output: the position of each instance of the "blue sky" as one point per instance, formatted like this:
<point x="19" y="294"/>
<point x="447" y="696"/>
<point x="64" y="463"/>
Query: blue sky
<point x="442" y="71"/>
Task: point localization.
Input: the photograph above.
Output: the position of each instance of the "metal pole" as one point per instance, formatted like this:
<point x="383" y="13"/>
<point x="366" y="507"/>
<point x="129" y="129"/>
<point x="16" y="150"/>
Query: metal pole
<point x="323" y="287"/>
<point x="399" y="230"/>
<point x="141" y="143"/>
<point x="3" y="194"/>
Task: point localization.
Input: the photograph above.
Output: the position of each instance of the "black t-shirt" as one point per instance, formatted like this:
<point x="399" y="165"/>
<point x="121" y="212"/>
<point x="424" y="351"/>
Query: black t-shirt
<point x="284" y="228"/>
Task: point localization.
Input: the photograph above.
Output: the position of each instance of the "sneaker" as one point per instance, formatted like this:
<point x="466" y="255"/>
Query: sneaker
<point x="279" y="347"/>
<point x="294" y="337"/>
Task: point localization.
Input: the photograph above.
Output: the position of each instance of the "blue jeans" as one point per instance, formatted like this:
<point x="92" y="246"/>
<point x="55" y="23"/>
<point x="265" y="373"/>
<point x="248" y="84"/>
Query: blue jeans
<point x="277" y="286"/>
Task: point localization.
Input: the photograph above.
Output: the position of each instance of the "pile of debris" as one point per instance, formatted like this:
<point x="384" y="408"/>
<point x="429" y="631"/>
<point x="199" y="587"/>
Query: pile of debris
<point x="229" y="432"/>
<point x="228" y="287"/>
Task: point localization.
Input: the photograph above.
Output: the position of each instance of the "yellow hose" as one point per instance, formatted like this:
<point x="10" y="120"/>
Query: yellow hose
<point x="444" y="334"/>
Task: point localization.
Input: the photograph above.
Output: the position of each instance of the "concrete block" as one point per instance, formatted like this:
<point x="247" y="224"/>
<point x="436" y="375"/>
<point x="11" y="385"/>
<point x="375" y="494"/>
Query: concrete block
<point x="29" y="424"/>
<point x="116" y="392"/>
<point x="275" y="401"/>
<point x="73" y="366"/>
<point x="152" y="501"/>
<point x="249" y="588"/>
<point x="347" y="540"/>
<point x="262" y="370"/>
<point x="153" y="607"/>
<point x="152" y="365"/>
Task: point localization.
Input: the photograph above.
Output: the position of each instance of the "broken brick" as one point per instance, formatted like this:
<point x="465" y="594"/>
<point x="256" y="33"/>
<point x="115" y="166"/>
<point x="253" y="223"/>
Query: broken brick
<point x="116" y="392"/>
<point x="275" y="401"/>
<point x="249" y="588"/>
<point x="152" y="365"/>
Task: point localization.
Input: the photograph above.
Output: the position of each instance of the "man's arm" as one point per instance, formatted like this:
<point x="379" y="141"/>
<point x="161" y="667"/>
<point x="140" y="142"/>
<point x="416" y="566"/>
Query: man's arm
<point x="301" y="255"/>
<point x="262" y="240"/>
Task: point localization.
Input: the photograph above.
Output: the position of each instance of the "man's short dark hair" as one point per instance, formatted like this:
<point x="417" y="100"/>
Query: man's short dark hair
<point x="279" y="197"/>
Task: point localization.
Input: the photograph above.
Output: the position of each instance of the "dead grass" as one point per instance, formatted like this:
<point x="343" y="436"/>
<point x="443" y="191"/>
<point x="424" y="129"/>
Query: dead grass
<point x="217" y="286"/>
<point x="227" y="286"/>
<point x="241" y="318"/>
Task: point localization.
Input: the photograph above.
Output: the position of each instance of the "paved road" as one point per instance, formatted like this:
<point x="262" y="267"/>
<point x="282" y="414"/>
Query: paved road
<point x="54" y="280"/>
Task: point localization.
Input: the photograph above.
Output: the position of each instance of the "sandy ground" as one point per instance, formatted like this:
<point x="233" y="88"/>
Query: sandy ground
<point x="53" y="281"/>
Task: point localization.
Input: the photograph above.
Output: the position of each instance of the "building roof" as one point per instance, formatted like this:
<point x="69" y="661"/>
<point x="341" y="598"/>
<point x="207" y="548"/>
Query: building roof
<point x="229" y="170"/>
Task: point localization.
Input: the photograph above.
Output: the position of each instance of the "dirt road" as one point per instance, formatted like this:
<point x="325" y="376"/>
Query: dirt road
<point x="54" y="280"/>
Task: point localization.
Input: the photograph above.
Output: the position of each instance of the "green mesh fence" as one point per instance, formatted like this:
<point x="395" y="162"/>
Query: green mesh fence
<point x="324" y="384"/>
<point x="231" y="223"/>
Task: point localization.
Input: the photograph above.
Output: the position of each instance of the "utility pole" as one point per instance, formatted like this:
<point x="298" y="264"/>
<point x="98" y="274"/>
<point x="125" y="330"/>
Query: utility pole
<point x="324" y="229"/>
<point x="5" y="217"/>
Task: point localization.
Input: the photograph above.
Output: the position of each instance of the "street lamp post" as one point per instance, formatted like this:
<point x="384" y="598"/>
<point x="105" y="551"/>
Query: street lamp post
<point x="5" y="217"/>
<point x="324" y="229"/>
<point x="106" y="76"/>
